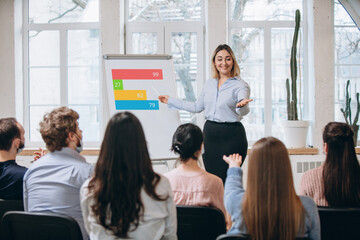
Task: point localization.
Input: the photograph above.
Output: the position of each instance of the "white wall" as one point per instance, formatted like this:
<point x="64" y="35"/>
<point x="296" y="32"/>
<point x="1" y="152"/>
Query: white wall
<point x="7" y="59"/>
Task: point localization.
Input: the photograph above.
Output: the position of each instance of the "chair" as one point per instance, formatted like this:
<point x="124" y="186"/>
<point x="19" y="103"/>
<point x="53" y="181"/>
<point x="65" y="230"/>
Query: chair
<point x="339" y="223"/>
<point x="9" y="205"/>
<point x="18" y="225"/>
<point x="233" y="237"/>
<point x="241" y="237"/>
<point x="195" y="222"/>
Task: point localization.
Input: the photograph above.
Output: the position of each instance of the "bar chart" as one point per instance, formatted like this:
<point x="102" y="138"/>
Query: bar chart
<point x="134" y="99"/>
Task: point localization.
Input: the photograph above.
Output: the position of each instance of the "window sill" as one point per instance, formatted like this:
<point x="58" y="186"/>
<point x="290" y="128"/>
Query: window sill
<point x="95" y="152"/>
<point x="85" y="152"/>
<point x="300" y="151"/>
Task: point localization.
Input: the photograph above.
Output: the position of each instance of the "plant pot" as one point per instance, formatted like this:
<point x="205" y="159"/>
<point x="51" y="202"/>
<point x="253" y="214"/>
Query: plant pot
<point x="295" y="133"/>
<point x="355" y="129"/>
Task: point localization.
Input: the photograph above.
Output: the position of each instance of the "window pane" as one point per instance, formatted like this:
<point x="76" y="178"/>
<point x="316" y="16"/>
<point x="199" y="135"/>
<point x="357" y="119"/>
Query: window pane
<point x="248" y="46"/>
<point x="341" y="16"/>
<point x="83" y="85"/>
<point x="184" y="52"/>
<point x="36" y="115"/>
<point x="281" y="42"/>
<point x="167" y="10"/>
<point x="44" y="48"/>
<point x="347" y="60"/>
<point x="44" y="85"/>
<point x="83" y="47"/>
<point x="88" y="122"/>
<point x="242" y="10"/>
<point x="144" y="43"/>
<point x="63" y="11"/>
<point x="347" y="45"/>
<point x="342" y="74"/>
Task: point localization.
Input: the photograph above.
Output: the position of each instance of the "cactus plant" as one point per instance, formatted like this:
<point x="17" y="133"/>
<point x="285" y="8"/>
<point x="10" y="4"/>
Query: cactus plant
<point x="292" y="93"/>
<point x="347" y="111"/>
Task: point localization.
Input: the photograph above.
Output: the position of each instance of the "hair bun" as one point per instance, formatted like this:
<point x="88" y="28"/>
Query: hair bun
<point x="176" y="147"/>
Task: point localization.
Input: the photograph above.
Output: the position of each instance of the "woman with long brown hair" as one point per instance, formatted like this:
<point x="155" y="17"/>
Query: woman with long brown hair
<point x="337" y="182"/>
<point x="126" y="198"/>
<point x="269" y="208"/>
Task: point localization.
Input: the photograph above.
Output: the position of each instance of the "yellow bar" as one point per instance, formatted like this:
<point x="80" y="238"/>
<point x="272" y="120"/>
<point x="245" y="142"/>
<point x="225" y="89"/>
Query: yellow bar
<point x="130" y="94"/>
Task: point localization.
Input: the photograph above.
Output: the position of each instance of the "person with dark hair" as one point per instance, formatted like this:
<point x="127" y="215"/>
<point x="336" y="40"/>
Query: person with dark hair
<point x="52" y="183"/>
<point x="126" y="198"/>
<point x="224" y="99"/>
<point x="190" y="184"/>
<point x="12" y="142"/>
<point x="269" y="208"/>
<point x="336" y="183"/>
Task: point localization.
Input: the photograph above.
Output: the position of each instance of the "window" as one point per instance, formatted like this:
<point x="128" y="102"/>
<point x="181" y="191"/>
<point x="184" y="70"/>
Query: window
<point x="260" y="33"/>
<point x="347" y="59"/>
<point x="170" y="27"/>
<point x="61" y="64"/>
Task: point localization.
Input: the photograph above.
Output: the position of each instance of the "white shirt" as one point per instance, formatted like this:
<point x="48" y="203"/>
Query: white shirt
<point x="159" y="216"/>
<point x="52" y="184"/>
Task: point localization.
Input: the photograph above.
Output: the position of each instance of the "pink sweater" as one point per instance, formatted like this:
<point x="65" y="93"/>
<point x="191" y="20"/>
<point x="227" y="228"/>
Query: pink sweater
<point x="198" y="188"/>
<point x="312" y="185"/>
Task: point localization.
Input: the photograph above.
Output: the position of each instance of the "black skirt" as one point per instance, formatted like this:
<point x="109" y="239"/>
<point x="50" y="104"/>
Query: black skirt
<point x="222" y="139"/>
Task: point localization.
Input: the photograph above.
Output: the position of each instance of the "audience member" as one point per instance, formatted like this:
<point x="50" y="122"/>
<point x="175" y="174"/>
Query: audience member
<point x="336" y="183"/>
<point x="191" y="184"/>
<point x="12" y="141"/>
<point x="269" y="208"/>
<point x="52" y="183"/>
<point x="126" y="198"/>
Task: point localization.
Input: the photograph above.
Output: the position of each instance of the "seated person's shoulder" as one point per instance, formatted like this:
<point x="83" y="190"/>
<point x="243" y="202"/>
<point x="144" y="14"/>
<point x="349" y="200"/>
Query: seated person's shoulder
<point x="308" y="202"/>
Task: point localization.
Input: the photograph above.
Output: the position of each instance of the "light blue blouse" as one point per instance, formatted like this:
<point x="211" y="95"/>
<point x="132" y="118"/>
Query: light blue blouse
<point x="219" y="104"/>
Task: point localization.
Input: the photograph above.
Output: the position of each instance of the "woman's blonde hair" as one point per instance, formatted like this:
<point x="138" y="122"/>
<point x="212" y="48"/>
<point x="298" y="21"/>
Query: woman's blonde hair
<point x="55" y="127"/>
<point x="235" y="71"/>
<point x="271" y="208"/>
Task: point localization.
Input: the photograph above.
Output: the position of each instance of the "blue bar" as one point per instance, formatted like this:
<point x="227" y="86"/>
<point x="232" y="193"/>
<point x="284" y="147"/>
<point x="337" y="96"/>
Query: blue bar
<point x="137" y="104"/>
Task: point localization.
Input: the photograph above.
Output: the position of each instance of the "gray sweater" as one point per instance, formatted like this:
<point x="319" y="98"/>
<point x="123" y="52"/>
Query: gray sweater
<point x="234" y="194"/>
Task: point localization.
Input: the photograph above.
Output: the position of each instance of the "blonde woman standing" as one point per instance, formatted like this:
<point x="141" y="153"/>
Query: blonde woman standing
<point x="224" y="99"/>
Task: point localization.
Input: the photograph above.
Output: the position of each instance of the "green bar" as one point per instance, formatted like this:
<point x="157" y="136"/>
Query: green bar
<point x="118" y="84"/>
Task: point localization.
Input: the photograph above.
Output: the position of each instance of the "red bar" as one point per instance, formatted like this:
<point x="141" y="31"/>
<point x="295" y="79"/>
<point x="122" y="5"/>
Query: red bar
<point x="138" y="74"/>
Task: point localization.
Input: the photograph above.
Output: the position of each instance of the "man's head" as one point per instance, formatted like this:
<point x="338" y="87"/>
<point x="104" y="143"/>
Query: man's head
<point x="11" y="135"/>
<point x="60" y="128"/>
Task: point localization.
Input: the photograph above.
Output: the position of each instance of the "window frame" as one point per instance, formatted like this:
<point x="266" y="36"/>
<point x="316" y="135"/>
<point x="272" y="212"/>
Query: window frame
<point x="164" y="29"/>
<point x="63" y="29"/>
<point x="267" y="27"/>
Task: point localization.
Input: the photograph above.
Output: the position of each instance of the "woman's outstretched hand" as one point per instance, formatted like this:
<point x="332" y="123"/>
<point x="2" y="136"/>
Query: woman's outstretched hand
<point x="243" y="102"/>
<point x="234" y="160"/>
<point x="164" y="98"/>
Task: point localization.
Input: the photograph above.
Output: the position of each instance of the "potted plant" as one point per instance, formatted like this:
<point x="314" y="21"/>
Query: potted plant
<point x="295" y="129"/>
<point x="347" y="112"/>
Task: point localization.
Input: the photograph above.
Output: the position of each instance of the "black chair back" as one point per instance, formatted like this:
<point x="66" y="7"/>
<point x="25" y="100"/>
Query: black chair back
<point x="233" y="237"/>
<point x="9" y="205"/>
<point x="40" y="226"/>
<point x="242" y="237"/>
<point x="339" y="223"/>
<point x="195" y="222"/>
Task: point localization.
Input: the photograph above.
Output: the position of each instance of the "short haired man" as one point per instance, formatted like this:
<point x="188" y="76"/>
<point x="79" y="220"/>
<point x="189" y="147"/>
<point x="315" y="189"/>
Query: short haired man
<point x="12" y="141"/>
<point x="52" y="183"/>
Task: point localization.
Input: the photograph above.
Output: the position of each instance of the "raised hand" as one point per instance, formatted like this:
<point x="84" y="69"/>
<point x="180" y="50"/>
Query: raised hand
<point x="234" y="160"/>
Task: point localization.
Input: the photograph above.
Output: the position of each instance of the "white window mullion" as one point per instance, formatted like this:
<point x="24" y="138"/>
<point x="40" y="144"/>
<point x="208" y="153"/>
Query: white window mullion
<point x="26" y="117"/>
<point x="63" y="67"/>
<point x="268" y="82"/>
